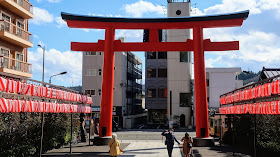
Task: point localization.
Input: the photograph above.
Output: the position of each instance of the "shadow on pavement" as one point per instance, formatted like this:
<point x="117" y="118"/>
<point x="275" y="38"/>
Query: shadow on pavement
<point x="82" y="149"/>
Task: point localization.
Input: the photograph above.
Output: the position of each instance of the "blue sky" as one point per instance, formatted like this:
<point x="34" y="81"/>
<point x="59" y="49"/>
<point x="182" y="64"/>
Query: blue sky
<point x="258" y="36"/>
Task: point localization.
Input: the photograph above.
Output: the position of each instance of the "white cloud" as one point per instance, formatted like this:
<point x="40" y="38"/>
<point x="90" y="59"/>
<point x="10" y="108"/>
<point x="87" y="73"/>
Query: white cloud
<point x="60" y="22"/>
<point x="130" y="35"/>
<point x="256" y="49"/>
<point x="56" y="62"/>
<point x="229" y="6"/>
<point x="139" y="8"/>
<point x="255" y="6"/>
<point x="41" y="16"/>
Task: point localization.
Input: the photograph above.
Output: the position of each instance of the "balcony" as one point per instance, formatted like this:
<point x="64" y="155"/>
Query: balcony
<point x="15" y="35"/>
<point x="15" y="67"/>
<point x="21" y="7"/>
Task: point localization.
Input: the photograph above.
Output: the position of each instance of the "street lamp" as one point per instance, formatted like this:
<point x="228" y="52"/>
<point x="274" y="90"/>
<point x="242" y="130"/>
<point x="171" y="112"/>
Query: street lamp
<point x="43" y="47"/>
<point x="42" y="121"/>
<point x="62" y="73"/>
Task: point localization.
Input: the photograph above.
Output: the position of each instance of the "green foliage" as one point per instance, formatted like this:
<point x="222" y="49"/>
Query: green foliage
<point x="267" y="133"/>
<point x="20" y="133"/>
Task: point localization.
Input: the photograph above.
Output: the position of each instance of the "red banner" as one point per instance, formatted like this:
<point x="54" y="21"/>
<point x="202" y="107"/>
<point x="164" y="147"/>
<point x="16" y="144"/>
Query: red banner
<point x="15" y="106"/>
<point x="270" y="107"/>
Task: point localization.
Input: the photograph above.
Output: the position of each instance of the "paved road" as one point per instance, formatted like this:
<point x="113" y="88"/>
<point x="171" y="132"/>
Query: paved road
<point x="136" y="144"/>
<point x="147" y="135"/>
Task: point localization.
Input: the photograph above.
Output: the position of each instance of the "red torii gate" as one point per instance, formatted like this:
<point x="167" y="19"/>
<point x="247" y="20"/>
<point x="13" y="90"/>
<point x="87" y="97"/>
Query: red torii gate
<point x="198" y="45"/>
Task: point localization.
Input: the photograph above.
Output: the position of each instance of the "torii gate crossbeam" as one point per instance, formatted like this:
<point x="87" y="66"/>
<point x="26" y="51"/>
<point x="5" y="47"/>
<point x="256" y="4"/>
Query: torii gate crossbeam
<point x="198" y="45"/>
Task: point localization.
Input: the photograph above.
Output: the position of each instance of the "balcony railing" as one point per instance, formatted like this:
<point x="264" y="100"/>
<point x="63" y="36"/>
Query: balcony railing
<point x="25" y="4"/>
<point x="10" y="63"/>
<point x="13" y="29"/>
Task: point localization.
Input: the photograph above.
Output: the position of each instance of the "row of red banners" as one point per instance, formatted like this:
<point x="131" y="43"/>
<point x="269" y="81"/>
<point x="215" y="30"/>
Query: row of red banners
<point x="264" y="90"/>
<point x="15" y="106"/>
<point x="12" y="86"/>
<point x="271" y="107"/>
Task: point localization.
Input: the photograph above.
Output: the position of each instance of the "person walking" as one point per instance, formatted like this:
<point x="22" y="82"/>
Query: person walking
<point x="114" y="145"/>
<point x="169" y="142"/>
<point x="187" y="145"/>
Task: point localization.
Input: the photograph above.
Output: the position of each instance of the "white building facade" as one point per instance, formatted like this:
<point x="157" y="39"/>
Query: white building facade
<point x="127" y="99"/>
<point x="220" y="81"/>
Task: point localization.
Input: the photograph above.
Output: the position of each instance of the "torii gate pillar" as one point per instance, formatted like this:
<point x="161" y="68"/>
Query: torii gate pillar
<point x="106" y="110"/>
<point x="201" y="107"/>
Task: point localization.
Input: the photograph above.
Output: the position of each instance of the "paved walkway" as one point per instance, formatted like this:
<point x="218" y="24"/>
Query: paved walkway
<point x="151" y="149"/>
<point x="140" y="149"/>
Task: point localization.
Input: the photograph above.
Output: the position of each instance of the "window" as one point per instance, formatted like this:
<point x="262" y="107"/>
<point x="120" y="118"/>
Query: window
<point x="6" y="17"/>
<point x="184" y="99"/>
<point x="19" y="59"/>
<point x="90" y="53"/>
<point x="5" y="52"/>
<point x="151" y="93"/>
<point x="184" y="57"/>
<point x="90" y="92"/>
<point x="162" y="73"/>
<point x="162" y="55"/>
<point x="19" y="2"/>
<point x="4" y="57"/>
<point x="6" y="25"/>
<point x="90" y="72"/>
<point x="151" y="73"/>
<point x="20" y="27"/>
<point x="161" y="93"/>
<point x="151" y="55"/>
<point x="100" y="72"/>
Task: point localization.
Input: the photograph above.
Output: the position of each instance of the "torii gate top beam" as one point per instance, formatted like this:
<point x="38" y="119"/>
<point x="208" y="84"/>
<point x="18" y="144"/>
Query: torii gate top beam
<point x="221" y="20"/>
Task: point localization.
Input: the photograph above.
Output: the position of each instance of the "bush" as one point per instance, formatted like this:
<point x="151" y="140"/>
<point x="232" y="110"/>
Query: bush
<point x="20" y="133"/>
<point x="267" y="134"/>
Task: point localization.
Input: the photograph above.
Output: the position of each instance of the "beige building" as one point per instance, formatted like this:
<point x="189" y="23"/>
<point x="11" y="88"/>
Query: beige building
<point x="15" y="38"/>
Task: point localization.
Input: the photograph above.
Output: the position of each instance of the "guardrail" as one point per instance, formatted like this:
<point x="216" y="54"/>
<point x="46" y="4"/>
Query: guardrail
<point x="25" y="4"/>
<point x="13" y="29"/>
<point x="11" y="63"/>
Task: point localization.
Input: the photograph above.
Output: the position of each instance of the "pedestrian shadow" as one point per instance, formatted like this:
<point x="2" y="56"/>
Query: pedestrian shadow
<point x="142" y="149"/>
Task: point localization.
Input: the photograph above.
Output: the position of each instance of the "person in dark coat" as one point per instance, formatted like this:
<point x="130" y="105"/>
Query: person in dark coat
<point x="169" y="142"/>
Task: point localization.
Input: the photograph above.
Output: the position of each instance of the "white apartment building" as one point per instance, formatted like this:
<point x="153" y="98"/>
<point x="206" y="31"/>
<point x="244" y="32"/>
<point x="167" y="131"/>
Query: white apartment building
<point x="127" y="100"/>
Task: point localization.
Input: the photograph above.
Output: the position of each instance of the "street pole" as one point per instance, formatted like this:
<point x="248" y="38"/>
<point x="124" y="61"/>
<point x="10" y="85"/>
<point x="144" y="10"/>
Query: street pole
<point x="71" y="133"/>
<point x="42" y="114"/>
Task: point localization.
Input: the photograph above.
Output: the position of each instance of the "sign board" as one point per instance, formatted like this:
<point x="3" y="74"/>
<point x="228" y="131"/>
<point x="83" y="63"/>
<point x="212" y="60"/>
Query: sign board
<point x="95" y="109"/>
<point x="170" y="124"/>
